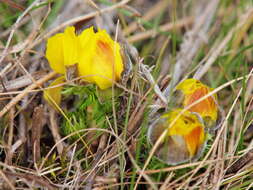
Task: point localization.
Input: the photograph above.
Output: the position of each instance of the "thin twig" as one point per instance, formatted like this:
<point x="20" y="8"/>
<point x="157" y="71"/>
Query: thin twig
<point x="16" y="99"/>
<point x="55" y="130"/>
<point x="14" y="27"/>
<point x="6" y="179"/>
<point x="163" y="28"/>
<point x="189" y="49"/>
<point x="78" y="19"/>
<point x="151" y="13"/>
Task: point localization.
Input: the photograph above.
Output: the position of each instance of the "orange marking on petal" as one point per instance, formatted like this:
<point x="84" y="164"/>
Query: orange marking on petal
<point x="104" y="49"/>
<point x="205" y="106"/>
<point x="194" y="139"/>
<point x="104" y="46"/>
<point x="188" y="119"/>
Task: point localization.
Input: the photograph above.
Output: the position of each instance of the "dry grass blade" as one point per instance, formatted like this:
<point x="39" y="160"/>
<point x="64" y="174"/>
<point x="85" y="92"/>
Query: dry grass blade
<point x="98" y="139"/>
<point x="164" y="28"/>
<point x="6" y="179"/>
<point x="218" y="50"/>
<point x="15" y="100"/>
<point x="189" y="49"/>
<point x="20" y="82"/>
<point x="39" y="181"/>
<point x="155" y="10"/>
<point x="237" y="165"/>
<point x="55" y="130"/>
<point x="78" y="19"/>
<point x="10" y="136"/>
<point x="13" y="4"/>
<point x="38" y="121"/>
<point x="5" y="51"/>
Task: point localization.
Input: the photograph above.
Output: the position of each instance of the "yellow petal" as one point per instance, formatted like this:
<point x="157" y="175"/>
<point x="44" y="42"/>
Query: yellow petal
<point x="108" y="64"/>
<point x="53" y="95"/>
<point x="54" y="53"/>
<point x="188" y="86"/>
<point x="62" y="49"/>
<point x="182" y="123"/>
<point x="193" y="90"/>
<point x="102" y="63"/>
<point x="111" y="51"/>
<point x="194" y="139"/>
<point x="70" y="46"/>
<point x="86" y="38"/>
<point x="87" y="44"/>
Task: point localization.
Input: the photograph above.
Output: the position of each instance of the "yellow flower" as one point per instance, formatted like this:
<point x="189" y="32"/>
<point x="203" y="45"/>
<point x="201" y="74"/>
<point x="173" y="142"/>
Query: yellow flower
<point x="187" y="125"/>
<point x="193" y="90"/>
<point x="97" y="56"/>
<point x="185" y="138"/>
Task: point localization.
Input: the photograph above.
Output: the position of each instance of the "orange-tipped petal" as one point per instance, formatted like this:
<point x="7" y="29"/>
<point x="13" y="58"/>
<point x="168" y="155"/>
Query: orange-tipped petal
<point x="186" y="124"/>
<point x="102" y="64"/>
<point x="194" y="139"/>
<point x="193" y="90"/>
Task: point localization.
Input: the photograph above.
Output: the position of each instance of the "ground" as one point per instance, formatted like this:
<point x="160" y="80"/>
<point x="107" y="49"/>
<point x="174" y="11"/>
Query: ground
<point x="98" y="139"/>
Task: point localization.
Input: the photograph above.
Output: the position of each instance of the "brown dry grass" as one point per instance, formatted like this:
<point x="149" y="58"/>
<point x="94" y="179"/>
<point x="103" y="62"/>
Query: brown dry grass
<point x="207" y="40"/>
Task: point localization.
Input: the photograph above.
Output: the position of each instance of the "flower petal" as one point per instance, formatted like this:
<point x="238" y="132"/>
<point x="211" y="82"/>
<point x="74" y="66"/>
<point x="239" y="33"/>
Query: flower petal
<point x="62" y="50"/>
<point x="54" y="53"/>
<point x="70" y="46"/>
<point x="182" y="122"/>
<point x="193" y="90"/>
<point x="53" y="95"/>
<point x="194" y="139"/>
<point x="87" y="44"/>
<point x="111" y="50"/>
<point x="102" y="63"/>
<point x="207" y="107"/>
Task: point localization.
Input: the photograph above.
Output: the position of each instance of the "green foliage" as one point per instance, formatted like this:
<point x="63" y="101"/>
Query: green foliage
<point x="8" y="15"/>
<point x="87" y="111"/>
<point x="87" y="107"/>
<point x="57" y="5"/>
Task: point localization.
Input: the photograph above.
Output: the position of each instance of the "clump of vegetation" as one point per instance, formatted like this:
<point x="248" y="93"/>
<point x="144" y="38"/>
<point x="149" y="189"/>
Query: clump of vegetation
<point x="70" y="121"/>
